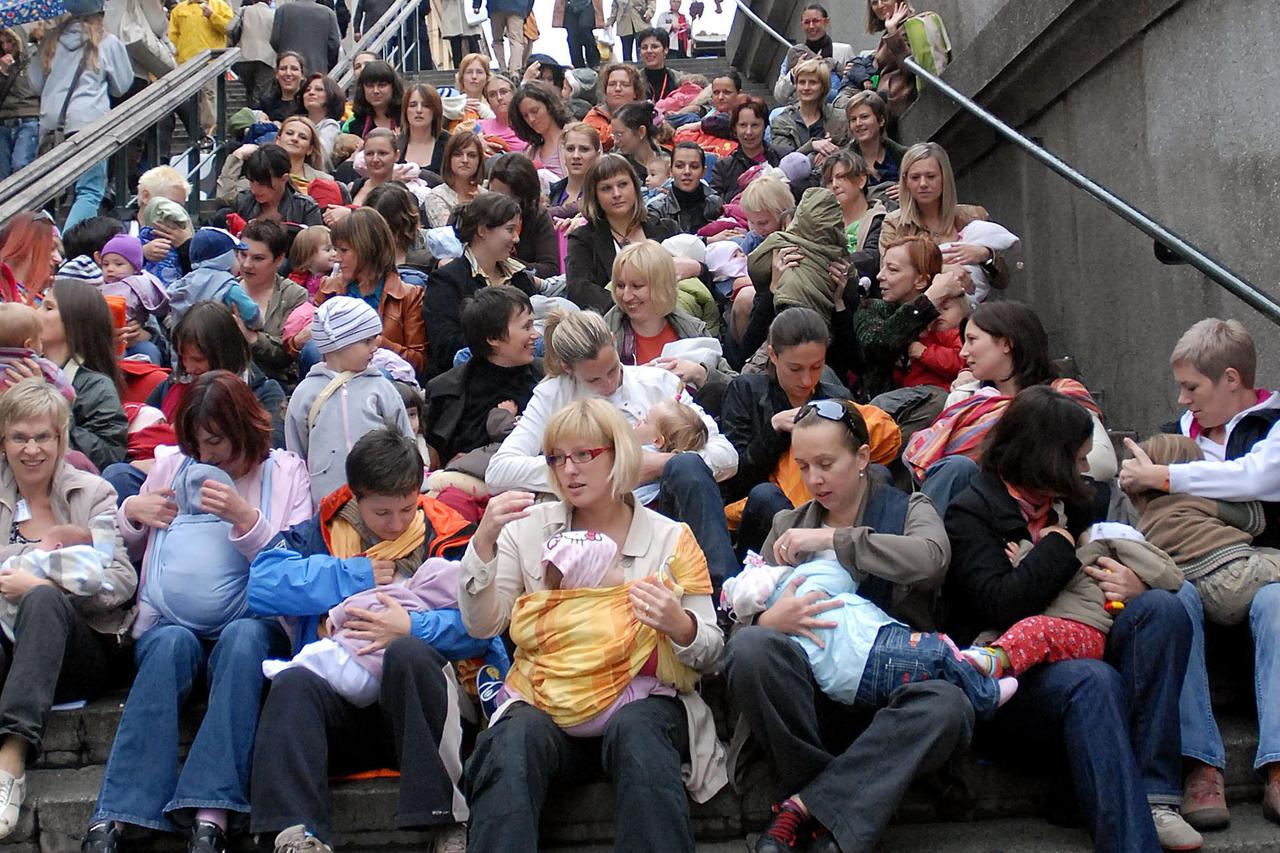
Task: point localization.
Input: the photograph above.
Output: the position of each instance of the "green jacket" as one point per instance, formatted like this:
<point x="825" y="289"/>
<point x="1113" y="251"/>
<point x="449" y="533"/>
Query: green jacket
<point x="818" y="231"/>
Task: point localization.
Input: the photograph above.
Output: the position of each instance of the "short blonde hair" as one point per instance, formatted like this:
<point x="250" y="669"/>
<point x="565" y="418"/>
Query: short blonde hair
<point x="19" y="324"/>
<point x="31" y="399"/>
<point x="570" y="338"/>
<point x="647" y="260"/>
<point x="1213" y="345"/>
<point x="598" y="424"/>
<point x="156" y="180"/>
<point x="820" y="69"/>
<point x="767" y="194"/>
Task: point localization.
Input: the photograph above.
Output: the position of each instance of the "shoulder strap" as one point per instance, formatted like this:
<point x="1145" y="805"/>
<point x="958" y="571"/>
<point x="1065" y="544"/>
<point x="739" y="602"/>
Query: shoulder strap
<point x="334" y="384"/>
<point x="71" y="90"/>
<point x="265" y="500"/>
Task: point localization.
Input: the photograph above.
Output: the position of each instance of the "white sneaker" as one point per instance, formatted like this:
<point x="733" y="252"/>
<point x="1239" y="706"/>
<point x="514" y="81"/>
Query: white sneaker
<point x="1173" y="832"/>
<point x="12" y="793"/>
<point x="296" y="839"/>
<point x="451" y="839"/>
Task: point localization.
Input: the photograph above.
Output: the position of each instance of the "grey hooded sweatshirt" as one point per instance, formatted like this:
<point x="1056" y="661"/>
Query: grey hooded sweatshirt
<point x="112" y="76"/>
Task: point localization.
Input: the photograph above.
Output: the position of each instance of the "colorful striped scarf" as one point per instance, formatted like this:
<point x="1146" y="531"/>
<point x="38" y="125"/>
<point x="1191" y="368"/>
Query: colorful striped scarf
<point x="962" y="426"/>
<point x="1034" y="506"/>
<point x="578" y="649"/>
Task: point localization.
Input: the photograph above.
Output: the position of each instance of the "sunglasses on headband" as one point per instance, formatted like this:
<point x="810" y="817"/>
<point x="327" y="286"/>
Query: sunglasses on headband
<point x="830" y="410"/>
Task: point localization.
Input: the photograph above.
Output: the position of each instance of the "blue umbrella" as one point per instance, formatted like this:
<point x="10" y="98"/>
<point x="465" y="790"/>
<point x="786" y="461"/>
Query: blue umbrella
<point x="14" y="12"/>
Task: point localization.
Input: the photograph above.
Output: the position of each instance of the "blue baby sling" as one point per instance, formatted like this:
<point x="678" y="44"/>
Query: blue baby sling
<point x="193" y="575"/>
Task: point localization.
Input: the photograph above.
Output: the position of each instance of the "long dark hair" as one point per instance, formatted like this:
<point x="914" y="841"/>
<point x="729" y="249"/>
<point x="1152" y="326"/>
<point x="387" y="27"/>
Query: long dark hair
<point x="1035" y="443"/>
<point x="378" y="72"/>
<point x="1028" y="344"/>
<point x="210" y="328"/>
<point x="543" y="94"/>
<point x="90" y="333"/>
<point x="518" y="173"/>
<point x="221" y="403"/>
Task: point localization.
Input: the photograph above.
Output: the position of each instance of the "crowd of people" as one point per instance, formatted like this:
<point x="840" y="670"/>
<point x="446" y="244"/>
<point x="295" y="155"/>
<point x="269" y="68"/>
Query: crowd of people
<point x="504" y="416"/>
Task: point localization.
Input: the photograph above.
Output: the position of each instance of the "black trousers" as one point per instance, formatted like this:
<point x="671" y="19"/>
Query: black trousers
<point x="518" y="759"/>
<point x="628" y="50"/>
<point x="57" y="658"/>
<point x="583" y="52"/>
<point x="764" y="501"/>
<point x="308" y="731"/>
<point x="854" y="789"/>
<point x="460" y="46"/>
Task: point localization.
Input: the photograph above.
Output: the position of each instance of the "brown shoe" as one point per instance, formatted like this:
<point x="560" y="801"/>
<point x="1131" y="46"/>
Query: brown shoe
<point x="1204" y="799"/>
<point x="1271" y="801"/>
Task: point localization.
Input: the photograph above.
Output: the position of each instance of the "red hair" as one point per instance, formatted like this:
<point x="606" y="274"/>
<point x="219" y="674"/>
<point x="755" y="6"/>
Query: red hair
<point x="27" y="240"/>
<point x="221" y="403"/>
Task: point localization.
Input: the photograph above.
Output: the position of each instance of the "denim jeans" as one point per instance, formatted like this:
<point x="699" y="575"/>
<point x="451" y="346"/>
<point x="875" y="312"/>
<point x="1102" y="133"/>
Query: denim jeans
<point x="90" y="189"/>
<point x="125" y="478"/>
<point x="1201" y="739"/>
<point x="19" y="139"/>
<point x="947" y="478"/>
<point x="689" y="493"/>
<point x="308" y="357"/>
<point x="764" y="501"/>
<point x="1115" y="721"/>
<point x="901" y="656"/>
<point x="143" y="784"/>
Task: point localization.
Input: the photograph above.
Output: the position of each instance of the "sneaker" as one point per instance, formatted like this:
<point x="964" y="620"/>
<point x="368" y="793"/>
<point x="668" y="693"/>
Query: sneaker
<point x="984" y="659"/>
<point x="101" y="838"/>
<point x="488" y="686"/>
<point x="1173" y="832"/>
<point x="12" y="792"/>
<point x="785" y="833"/>
<point x="1204" y="799"/>
<point x="296" y="839"/>
<point x="451" y="839"/>
<point x="207" y="837"/>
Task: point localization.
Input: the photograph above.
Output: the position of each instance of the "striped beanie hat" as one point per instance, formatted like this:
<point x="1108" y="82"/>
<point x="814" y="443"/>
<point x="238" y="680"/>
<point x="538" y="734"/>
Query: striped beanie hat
<point x="80" y="268"/>
<point x="342" y="321"/>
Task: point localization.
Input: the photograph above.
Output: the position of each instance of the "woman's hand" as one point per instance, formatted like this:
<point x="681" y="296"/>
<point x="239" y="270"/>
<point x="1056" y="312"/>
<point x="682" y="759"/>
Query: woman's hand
<point x="153" y="509"/>
<point x="303" y="337"/>
<point x="783" y="421"/>
<point x="839" y="271"/>
<point x="175" y="234"/>
<point x="897" y="18"/>
<point x="690" y="372"/>
<point x="687" y="268"/>
<point x="1140" y="473"/>
<point x="473" y="104"/>
<point x="894" y="191"/>
<point x="133" y="332"/>
<point x="824" y="148"/>
<point x="501" y="511"/>
<point x="1118" y="581"/>
<point x="798" y="541"/>
<point x="243" y="152"/>
<point x="384" y="572"/>
<point x="727" y="234"/>
<point x="157" y="249"/>
<point x="15" y="583"/>
<point x="949" y="284"/>
<point x="794" y="615"/>
<point x="915" y="351"/>
<point x="966" y="253"/>
<point x="658" y="607"/>
<point x="250" y="336"/>
<point x="380" y="628"/>
<point x="20" y="369"/>
<point x="225" y="502"/>
<point x="335" y="213"/>
<point x="783" y="260"/>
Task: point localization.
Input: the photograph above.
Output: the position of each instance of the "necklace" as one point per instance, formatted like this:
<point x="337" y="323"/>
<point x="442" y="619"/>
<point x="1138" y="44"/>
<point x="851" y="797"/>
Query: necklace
<point x="622" y="239"/>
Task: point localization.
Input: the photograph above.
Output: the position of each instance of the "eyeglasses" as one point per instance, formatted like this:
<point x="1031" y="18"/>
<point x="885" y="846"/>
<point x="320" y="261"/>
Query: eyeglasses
<point x="830" y="410"/>
<point x="44" y="439"/>
<point x="579" y="457"/>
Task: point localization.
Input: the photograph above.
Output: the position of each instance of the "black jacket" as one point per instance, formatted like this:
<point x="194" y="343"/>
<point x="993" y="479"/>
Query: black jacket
<point x="99" y="428"/>
<point x="309" y="29"/>
<point x="446" y="400"/>
<point x="984" y="590"/>
<point x="724" y="177"/>
<point x="539" y="247"/>
<point x="844" y="355"/>
<point x="588" y="260"/>
<point x="691" y="218"/>
<point x="294" y="207"/>
<point x="746" y="420"/>
<point x="447" y="288"/>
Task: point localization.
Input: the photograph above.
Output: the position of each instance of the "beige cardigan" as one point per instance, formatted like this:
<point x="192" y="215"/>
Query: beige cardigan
<point x="77" y="498"/>
<point x="488" y="591"/>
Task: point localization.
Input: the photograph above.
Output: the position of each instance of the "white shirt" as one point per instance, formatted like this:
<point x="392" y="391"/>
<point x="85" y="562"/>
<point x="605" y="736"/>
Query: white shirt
<point x="519" y="464"/>
<point x="1252" y="477"/>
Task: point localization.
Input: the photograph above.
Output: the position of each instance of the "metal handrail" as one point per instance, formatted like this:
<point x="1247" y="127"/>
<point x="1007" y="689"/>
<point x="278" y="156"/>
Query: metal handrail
<point x="1218" y="272"/>
<point x="374" y="39"/>
<point x="758" y="21"/>
<point x="52" y="173"/>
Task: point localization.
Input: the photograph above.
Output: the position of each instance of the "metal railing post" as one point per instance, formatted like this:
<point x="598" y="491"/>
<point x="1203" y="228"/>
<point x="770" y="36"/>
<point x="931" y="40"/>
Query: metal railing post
<point x="220" y="102"/>
<point x="193" y="153"/>
<point x="120" y="167"/>
<point x="1261" y="302"/>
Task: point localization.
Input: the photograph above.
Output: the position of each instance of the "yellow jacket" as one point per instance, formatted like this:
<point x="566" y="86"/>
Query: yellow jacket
<point x="191" y="32"/>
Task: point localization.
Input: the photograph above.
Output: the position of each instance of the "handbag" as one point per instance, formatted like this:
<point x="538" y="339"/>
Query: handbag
<point x="531" y="31"/>
<point x="476" y="12"/>
<point x="930" y="45"/>
<point x="137" y="24"/>
<point x="53" y="138"/>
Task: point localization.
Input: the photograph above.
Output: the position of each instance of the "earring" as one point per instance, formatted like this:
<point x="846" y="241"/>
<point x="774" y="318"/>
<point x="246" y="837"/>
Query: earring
<point x="862" y="473"/>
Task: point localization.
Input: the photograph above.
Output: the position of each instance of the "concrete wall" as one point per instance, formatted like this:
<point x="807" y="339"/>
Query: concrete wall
<point x="1181" y="118"/>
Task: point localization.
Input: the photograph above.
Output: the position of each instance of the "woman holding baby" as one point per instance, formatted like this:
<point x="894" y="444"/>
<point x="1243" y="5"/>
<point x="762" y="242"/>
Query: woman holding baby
<point x="68" y="643"/>
<point x="223" y="467"/>
<point x="651" y="605"/>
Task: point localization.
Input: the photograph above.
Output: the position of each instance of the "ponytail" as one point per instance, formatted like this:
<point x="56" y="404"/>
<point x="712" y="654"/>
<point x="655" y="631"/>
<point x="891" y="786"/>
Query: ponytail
<point x="572" y="337"/>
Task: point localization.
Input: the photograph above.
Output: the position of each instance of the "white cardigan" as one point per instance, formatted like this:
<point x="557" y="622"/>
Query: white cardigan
<point x="518" y="464"/>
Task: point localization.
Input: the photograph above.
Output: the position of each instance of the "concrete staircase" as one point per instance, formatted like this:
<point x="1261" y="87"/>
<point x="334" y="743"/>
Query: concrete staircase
<point x="1003" y="809"/>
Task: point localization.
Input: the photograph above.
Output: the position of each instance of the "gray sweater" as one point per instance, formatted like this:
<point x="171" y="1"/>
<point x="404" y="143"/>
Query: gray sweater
<point x="91" y="101"/>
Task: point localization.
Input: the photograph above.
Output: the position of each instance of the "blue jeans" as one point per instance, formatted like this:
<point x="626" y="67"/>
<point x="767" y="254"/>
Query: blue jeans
<point x="147" y="349"/>
<point x="19" y="139"/>
<point x="90" y="189"/>
<point x="764" y="501"/>
<point x="143" y="785"/>
<point x="308" y="357"/>
<point x="689" y="493"/>
<point x="902" y="656"/>
<point x="1116" y="720"/>
<point x="125" y="478"/>
<point x="947" y="478"/>
<point x="1200" y="737"/>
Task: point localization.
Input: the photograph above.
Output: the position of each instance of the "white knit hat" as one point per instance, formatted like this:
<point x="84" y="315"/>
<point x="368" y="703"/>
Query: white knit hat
<point x="342" y="321"/>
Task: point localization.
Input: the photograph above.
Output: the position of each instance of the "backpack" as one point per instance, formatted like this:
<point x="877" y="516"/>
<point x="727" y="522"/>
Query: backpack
<point x="929" y="43"/>
<point x="193" y="575"/>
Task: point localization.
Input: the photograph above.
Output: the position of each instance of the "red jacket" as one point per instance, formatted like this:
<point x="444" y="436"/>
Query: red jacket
<point x="939" y="364"/>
